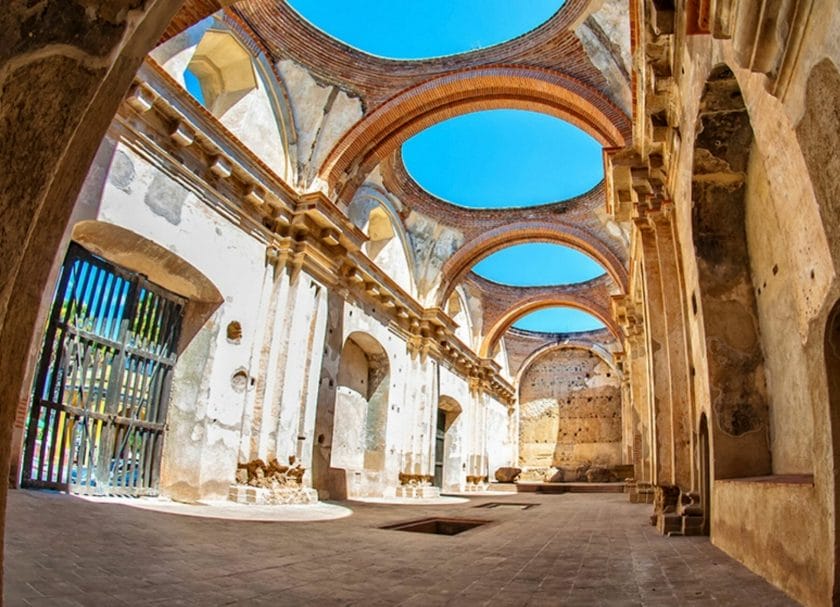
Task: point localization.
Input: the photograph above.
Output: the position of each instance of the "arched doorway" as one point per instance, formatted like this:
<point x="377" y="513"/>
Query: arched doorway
<point x="361" y="414"/>
<point x="832" y="370"/>
<point x="447" y="450"/>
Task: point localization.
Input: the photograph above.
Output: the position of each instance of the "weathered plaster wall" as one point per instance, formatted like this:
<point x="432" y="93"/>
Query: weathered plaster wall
<point x="772" y="528"/>
<point x="256" y="396"/>
<point x="500" y="446"/>
<point x="791" y="414"/>
<point x="570" y="411"/>
<point x="433" y="244"/>
<point x="786" y="231"/>
<point x="455" y="394"/>
<point x="207" y="400"/>
<point x="322" y="114"/>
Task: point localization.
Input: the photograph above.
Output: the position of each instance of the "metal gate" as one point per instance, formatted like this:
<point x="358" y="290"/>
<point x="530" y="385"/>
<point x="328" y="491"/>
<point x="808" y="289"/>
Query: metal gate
<point x="98" y="415"/>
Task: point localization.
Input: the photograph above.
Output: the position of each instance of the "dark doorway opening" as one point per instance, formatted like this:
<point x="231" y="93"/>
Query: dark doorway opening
<point x="705" y="475"/>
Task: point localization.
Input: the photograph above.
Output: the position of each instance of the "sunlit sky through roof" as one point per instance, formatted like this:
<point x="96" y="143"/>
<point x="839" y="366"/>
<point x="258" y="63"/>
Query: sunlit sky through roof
<point x="419" y="29"/>
<point x="537" y="265"/>
<point x="504" y="158"/>
<point x="558" y="320"/>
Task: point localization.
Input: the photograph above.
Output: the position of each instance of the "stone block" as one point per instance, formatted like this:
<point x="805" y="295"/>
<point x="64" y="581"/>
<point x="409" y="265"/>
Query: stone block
<point x="508" y="474"/>
<point x="261" y="496"/>
<point x="669" y="523"/>
<point x="418" y="491"/>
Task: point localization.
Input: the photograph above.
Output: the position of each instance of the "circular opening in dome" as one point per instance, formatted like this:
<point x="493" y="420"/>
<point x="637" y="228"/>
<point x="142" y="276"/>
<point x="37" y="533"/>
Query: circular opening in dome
<point x="427" y="29"/>
<point x="503" y="159"/>
<point x="538" y="265"/>
<point x="558" y="319"/>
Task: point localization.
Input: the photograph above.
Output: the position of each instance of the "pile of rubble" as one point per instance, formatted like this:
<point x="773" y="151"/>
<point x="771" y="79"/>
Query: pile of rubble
<point x="273" y="483"/>
<point x="257" y="473"/>
<point x="584" y="473"/>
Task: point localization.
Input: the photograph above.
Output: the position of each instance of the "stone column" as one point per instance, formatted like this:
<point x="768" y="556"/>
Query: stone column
<point x="668" y="344"/>
<point x="331" y="483"/>
<point x="657" y="348"/>
<point x="306" y="438"/>
<point x="256" y="423"/>
<point x="297" y="364"/>
<point x="678" y="356"/>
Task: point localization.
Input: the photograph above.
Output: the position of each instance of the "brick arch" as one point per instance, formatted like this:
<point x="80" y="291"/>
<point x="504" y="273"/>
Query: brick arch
<point x="469" y="90"/>
<point x="522" y="308"/>
<point x="457" y="266"/>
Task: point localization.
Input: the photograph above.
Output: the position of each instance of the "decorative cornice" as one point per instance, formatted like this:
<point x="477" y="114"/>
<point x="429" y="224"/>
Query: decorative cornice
<point x="301" y="231"/>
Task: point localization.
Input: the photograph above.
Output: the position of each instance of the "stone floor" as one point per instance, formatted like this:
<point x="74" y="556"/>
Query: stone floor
<point x="572" y="549"/>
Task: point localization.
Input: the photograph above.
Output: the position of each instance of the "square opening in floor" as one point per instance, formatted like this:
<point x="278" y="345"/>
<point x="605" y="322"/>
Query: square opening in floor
<point x="438" y="526"/>
<point x="507" y="505"/>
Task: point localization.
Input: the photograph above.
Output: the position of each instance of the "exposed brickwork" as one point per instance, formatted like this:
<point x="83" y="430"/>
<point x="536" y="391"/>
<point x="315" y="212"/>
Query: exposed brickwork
<point x="503" y="305"/>
<point x="521" y="345"/>
<point x="191" y="13"/>
<point x="473" y="89"/>
<point x="553" y="45"/>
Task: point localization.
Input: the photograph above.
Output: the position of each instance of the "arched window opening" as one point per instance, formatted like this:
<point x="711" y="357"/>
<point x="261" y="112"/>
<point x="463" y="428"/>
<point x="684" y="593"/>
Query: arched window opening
<point x="220" y="72"/>
<point x="380" y="231"/>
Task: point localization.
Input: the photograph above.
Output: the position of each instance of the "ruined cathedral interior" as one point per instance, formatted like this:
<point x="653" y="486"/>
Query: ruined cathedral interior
<point x="249" y="357"/>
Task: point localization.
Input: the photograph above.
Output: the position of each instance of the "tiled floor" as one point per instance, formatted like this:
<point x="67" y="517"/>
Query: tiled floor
<point x="572" y="549"/>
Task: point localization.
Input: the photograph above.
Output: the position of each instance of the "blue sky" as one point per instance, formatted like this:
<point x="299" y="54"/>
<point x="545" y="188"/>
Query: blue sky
<point x="504" y="158"/>
<point x="538" y="265"/>
<point x="425" y="28"/>
<point x="558" y="320"/>
<point x="193" y="86"/>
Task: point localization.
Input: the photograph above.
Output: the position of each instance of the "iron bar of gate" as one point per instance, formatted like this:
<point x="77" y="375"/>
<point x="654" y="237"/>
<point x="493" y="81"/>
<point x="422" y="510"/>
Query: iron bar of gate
<point x="132" y="467"/>
<point x="48" y="353"/>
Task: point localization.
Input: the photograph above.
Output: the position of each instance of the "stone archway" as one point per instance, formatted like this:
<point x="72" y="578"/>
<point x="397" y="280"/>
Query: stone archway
<point x="523" y="308"/>
<point x="461" y="92"/>
<point x="447" y="448"/>
<point x="361" y="415"/>
<point x="457" y="266"/>
<point x="47" y="149"/>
